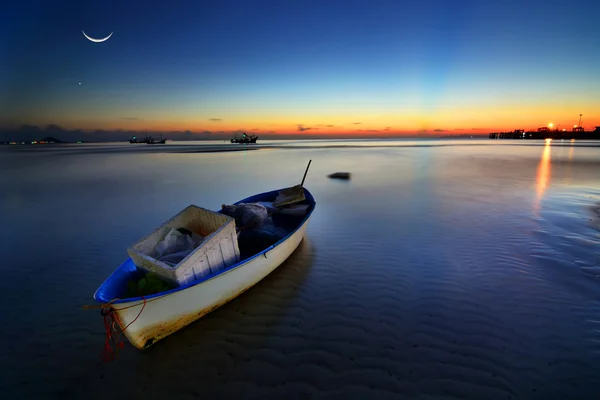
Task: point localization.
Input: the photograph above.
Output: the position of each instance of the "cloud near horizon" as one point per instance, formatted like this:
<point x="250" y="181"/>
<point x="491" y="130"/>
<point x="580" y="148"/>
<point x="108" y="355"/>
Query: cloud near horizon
<point x="301" y="128"/>
<point x="216" y="119"/>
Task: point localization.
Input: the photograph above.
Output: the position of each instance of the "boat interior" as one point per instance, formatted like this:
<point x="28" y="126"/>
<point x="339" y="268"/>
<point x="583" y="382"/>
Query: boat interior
<point x="251" y="243"/>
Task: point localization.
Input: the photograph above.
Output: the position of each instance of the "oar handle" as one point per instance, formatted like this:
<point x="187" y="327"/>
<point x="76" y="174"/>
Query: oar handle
<point x="305" y="172"/>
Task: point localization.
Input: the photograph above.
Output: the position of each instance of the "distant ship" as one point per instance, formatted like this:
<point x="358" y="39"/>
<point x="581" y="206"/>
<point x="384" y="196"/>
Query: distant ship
<point x="147" y="140"/>
<point x="245" y="139"/>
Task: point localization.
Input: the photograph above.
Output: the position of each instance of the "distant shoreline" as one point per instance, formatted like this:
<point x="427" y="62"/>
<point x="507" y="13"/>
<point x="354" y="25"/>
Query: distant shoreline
<point x="55" y="141"/>
<point x="223" y="146"/>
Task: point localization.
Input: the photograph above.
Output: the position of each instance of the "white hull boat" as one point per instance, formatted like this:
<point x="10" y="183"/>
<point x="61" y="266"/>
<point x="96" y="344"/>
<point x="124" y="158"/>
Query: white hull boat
<point x="147" y="319"/>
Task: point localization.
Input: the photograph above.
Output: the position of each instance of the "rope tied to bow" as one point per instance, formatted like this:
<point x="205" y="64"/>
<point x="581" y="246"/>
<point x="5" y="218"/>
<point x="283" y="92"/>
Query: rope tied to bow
<point x="112" y="334"/>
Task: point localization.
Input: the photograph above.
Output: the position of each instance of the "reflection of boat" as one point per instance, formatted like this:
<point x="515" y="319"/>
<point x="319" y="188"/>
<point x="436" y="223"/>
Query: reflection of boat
<point x="148" y="319"/>
<point x="147" y="140"/>
<point x="245" y="139"/>
<point x="152" y="141"/>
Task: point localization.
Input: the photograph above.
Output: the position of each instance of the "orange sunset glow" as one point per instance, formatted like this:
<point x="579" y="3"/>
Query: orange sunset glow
<point x="338" y="122"/>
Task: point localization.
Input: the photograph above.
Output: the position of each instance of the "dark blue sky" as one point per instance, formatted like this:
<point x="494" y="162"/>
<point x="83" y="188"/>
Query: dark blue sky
<point x="406" y="64"/>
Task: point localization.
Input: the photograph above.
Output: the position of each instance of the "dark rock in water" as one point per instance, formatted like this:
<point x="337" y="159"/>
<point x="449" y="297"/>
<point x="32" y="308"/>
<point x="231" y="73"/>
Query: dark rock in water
<point x="340" y="175"/>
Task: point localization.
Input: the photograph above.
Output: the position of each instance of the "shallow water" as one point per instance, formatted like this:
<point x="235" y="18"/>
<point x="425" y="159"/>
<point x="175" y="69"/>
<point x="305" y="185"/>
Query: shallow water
<point x="442" y="269"/>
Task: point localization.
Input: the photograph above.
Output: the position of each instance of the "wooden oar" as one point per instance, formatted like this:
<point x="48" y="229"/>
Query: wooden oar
<point x="305" y="172"/>
<point x="292" y="194"/>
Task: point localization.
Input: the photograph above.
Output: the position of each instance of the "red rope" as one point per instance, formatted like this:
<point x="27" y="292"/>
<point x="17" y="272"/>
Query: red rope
<point x="107" y="353"/>
<point x="140" y="313"/>
<point x="109" y="325"/>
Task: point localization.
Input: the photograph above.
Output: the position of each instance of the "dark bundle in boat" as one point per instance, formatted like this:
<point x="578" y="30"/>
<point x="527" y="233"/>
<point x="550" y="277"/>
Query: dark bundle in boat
<point x="263" y="224"/>
<point x="247" y="215"/>
<point x="257" y="229"/>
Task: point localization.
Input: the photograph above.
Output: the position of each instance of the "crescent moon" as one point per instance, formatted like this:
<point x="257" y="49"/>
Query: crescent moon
<point x="97" y="40"/>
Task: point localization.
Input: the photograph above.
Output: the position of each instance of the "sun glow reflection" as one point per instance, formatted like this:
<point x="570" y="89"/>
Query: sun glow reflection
<point x="543" y="175"/>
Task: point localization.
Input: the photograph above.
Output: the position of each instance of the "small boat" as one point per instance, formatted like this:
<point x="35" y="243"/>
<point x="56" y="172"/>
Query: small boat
<point x="245" y="139"/>
<point x="148" y="319"/>
<point x="146" y="140"/>
<point x="134" y="140"/>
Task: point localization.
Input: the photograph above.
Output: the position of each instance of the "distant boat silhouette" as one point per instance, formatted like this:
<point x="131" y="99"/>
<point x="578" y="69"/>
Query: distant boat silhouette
<point x="244" y="139"/>
<point x="147" y="140"/>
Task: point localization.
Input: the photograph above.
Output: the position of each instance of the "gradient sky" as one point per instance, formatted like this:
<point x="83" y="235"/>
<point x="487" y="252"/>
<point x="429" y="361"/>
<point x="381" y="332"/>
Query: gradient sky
<point x="345" y="67"/>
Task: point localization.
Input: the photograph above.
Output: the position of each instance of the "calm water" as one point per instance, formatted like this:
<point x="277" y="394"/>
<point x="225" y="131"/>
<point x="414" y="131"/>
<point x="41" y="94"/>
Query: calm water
<point x="444" y="269"/>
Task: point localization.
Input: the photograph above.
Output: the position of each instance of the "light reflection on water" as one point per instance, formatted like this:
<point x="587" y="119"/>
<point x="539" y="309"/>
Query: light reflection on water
<point x="544" y="173"/>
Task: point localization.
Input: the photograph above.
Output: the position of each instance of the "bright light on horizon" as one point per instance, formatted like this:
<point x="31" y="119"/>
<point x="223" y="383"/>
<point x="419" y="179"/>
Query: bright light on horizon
<point x="550" y="125"/>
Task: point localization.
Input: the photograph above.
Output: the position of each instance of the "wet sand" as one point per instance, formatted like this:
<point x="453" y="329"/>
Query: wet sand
<point x="444" y="272"/>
